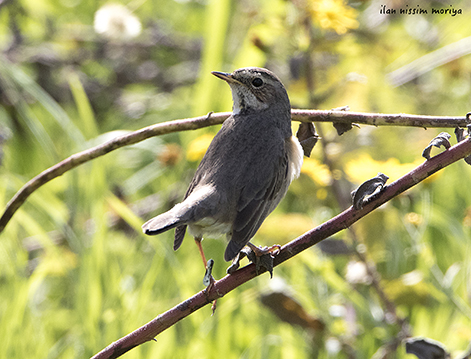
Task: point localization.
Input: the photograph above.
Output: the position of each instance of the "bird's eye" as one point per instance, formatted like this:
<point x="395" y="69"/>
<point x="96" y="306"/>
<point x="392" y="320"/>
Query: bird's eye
<point x="257" y="82"/>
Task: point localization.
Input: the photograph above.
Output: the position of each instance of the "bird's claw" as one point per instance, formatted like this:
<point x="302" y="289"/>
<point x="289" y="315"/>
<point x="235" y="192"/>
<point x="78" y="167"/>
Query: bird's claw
<point x="260" y="256"/>
<point x="263" y="257"/>
<point x="236" y="262"/>
<point x="261" y="251"/>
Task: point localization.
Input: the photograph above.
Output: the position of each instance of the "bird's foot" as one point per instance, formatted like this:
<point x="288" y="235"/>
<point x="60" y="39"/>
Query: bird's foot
<point x="260" y="256"/>
<point x="208" y="281"/>
<point x="261" y="251"/>
<point x="236" y="261"/>
<point x="263" y="257"/>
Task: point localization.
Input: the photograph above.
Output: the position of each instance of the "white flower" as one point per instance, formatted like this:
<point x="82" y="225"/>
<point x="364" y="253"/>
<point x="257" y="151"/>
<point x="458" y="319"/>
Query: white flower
<point x="116" y="22"/>
<point x="357" y="273"/>
<point x="333" y="346"/>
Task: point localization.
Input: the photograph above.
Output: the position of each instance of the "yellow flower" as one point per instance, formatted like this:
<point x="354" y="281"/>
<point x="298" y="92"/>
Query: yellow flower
<point x="317" y="171"/>
<point x="57" y="262"/>
<point x="333" y="14"/>
<point x="414" y="218"/>
<point x="364" y="167"/>
<point x="282" y="227"/>
<point x="467" y="218"/>
<point x="197" y="148"/>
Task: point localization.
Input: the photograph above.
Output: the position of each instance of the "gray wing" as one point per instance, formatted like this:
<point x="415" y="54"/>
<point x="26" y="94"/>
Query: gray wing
<point x="257" y="201"/>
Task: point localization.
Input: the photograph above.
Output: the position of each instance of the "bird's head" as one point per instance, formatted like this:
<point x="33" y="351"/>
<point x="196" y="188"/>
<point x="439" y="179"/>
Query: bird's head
<point x="255" y="89"/>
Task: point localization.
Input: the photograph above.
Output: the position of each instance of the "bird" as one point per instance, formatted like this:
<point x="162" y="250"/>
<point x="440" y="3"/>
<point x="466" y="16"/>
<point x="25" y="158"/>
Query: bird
<point x="246" y="170"/>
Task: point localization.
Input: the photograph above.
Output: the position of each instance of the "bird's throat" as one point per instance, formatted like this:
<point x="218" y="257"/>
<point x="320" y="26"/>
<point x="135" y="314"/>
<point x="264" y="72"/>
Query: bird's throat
<point x="243" y="100"/>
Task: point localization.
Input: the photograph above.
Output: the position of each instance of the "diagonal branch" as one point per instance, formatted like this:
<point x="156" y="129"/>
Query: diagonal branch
<point x="345" y="117"/>
<point x="314" y="236"/>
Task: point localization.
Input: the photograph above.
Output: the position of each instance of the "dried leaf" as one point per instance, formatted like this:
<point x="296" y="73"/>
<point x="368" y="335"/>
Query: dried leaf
<point x="460" y="136"/>
<point x="441" y="140"/>
<point x="335" y="247"/>
<point x="367" y="188"/>
<point x="424" y="348"/>
<point x="459" y="133"/>
<point x="287" y="309"/>
<point x="342" y="127"/>
<point x="307" y="137"/>
<point x="468" y="159"/>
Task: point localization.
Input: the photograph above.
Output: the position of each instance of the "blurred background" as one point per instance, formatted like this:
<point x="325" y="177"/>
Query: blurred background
<point x="76" y="273"/>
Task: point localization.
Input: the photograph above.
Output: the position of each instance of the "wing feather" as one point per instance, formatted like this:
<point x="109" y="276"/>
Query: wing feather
<point x="256" y="203"/>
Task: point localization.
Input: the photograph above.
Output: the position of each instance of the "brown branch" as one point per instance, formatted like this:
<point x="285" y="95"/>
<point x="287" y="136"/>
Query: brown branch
<point x="314" y="236"/>
<point x="378" y="119"/>
<point x="100" y="150"/>
<point x="205" y="121"/>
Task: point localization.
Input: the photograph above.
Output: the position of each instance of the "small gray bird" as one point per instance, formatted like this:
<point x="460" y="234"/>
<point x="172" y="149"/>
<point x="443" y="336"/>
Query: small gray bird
<point x="246" y="170"/>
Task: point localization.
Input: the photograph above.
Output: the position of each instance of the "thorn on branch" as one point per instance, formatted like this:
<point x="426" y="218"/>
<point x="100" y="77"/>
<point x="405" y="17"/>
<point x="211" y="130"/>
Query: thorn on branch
<point x="209" y="115"/>
<point x="342" y="108"/>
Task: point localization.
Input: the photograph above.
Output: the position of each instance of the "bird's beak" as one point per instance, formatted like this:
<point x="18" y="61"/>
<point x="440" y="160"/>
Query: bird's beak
<point x="224" y="76"/>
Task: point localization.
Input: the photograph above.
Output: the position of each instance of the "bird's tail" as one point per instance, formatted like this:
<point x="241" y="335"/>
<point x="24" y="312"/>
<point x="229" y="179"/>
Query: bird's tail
<point x="162" y="223"/>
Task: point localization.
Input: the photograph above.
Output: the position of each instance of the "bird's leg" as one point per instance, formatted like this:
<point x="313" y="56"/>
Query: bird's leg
<point x="263" y="256"/>
<point x="200" y="248"/>
<point x="208" y="279"/>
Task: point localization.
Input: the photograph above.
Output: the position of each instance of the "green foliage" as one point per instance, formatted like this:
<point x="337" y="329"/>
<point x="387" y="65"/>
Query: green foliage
<point x="76" y="272"/>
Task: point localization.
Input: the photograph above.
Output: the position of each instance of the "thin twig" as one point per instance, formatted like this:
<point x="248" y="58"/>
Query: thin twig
<point x="100" y="150"/>
<point x="209" y="120"/>
<point x="314" y="236"/>
<point x="379" y="119"/>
